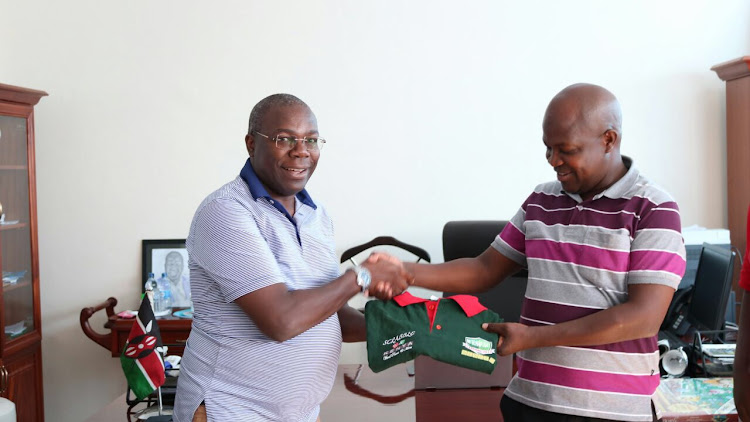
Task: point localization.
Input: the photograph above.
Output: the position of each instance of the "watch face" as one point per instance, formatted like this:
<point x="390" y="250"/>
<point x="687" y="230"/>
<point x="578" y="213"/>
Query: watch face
<point x="365" y="274"/>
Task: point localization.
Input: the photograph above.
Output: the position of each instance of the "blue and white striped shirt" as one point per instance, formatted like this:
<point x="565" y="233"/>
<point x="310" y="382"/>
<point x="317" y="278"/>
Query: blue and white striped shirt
<point x="241" y="241"/>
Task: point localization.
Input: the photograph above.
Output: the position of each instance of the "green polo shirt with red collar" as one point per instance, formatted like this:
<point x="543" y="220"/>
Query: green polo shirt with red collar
<point x="448" y="329"/>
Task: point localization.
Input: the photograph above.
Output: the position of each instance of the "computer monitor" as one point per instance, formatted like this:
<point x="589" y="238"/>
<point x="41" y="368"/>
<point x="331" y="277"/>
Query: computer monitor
<point x="713" y="282"/>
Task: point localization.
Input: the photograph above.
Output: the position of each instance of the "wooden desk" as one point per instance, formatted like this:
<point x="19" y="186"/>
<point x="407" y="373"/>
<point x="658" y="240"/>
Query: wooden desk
<point x="390" y="395"/>
<point x="359" y="394"/>
<point x="696" y="399"/>
<point x="174" y="331"/>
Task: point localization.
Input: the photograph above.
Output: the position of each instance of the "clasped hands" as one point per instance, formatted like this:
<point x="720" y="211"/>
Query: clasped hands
<point x="389" y="276"/>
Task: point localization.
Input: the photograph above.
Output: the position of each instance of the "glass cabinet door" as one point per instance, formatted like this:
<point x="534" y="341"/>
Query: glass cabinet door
<point x="15" y="230"/>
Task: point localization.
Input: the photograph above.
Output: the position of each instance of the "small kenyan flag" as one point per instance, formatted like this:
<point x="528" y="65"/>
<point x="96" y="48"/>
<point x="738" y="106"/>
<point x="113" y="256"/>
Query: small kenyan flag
<point x="140" y="359"/>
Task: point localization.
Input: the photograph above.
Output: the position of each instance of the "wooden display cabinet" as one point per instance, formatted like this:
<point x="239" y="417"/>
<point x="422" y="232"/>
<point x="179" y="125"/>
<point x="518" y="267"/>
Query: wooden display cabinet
<point x="21" y="340"/>
<point x="736" y="74"/>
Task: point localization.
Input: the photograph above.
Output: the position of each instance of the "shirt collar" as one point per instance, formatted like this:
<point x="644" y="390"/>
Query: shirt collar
<point x="470" y="304"/>
<point x="626" y="182"/>
<point x="257" y="190"/>
<point x="619" y="188"/>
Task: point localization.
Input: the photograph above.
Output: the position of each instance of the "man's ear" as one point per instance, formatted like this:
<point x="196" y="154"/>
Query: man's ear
<point x="611" y="140"/>
<point x="250" y="144"/>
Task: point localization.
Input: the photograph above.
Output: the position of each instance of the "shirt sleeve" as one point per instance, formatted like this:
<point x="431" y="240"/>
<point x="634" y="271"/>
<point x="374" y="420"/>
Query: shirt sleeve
<point x="657" y="253"/>
<point x="228" y="246"/>
<point x="511" y="242"/>
<point x="745" y="274"/>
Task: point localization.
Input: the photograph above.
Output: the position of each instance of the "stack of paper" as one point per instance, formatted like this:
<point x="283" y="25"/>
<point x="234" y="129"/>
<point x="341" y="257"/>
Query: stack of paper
<point x="12" y="277"/>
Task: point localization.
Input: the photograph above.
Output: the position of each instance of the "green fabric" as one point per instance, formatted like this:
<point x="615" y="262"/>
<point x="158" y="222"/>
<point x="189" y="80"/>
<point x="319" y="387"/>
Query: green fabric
<point x="397" y="334"/>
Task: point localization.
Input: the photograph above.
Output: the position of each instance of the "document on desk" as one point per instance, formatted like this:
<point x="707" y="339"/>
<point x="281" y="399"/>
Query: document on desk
<point x="719" y="350"/>
<point x="695" y="399"/>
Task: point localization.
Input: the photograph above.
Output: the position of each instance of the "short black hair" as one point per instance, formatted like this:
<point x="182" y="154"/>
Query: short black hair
<point x="266" y="104"/>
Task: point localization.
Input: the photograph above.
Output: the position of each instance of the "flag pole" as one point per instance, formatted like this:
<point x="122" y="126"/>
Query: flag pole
<point x="160" y="403"/>
<point x="162" y="351"/>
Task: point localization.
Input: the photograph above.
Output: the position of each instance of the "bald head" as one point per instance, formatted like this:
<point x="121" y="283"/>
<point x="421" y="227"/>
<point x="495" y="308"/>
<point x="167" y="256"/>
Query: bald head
<point x="585" y="107"/>
<point x="269" y="103"/>
<point x="581" y="131"/>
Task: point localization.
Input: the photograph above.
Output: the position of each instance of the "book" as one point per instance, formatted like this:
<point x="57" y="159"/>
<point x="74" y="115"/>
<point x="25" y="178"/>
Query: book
<point x="695" y="400"/>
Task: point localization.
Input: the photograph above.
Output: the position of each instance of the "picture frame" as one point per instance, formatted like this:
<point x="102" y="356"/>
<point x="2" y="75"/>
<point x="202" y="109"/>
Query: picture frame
<point x="167" y="256"/>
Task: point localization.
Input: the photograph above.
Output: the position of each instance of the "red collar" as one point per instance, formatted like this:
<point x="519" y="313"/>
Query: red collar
<point x="470" y="304"/>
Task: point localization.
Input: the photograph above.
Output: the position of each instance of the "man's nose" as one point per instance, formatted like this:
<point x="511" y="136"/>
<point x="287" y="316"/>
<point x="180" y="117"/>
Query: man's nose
<point x="553" y="158"/>
<point x="300" y="149"/>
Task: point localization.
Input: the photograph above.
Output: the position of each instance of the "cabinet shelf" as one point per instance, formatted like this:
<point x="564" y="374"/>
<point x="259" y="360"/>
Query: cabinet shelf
<point x="7" y="288"/>
<point x="12" y="226"/>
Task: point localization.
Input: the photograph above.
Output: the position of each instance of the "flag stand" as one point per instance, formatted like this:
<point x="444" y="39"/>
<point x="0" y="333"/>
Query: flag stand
<point x="142" y="360"/>
<point x="161" y="410"/>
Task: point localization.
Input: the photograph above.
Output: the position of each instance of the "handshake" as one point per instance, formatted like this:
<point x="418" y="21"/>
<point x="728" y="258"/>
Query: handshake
<point x="389" y="276"/>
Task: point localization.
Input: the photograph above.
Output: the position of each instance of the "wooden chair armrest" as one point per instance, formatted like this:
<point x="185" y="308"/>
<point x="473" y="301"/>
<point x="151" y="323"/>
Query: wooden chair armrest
<point x="103" y="340"/>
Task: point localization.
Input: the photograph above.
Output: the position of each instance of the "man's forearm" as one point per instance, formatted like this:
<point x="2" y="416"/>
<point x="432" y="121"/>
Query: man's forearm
<point x="638" y="318"/>
<point x="465" y="275"/>
<point x="454" y="276"/>
<point x="353" y="327"/>
<point x="282" y="314"/>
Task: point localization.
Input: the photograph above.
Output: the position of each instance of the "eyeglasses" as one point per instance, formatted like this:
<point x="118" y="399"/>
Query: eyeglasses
<point x="286" y="143"/>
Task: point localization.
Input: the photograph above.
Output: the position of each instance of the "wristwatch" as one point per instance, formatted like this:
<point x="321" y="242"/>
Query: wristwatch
<point x="363" y="277"/>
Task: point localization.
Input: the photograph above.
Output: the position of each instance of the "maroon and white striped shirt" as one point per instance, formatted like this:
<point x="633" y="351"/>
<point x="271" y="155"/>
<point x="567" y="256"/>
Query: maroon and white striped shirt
<point x="581" y="257"/>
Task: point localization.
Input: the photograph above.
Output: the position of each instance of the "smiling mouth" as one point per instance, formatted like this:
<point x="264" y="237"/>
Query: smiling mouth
<point x="295" y="170"/>
<point x="563" y="175"/>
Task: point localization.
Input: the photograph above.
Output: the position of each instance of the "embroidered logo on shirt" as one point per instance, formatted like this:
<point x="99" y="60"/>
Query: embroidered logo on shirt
<point x="394" y="340"/>
<point x="479" y="345"/>
<point x="397" y="348"/>
<point x="479" y="348"/>
<point x="467" y="353"/>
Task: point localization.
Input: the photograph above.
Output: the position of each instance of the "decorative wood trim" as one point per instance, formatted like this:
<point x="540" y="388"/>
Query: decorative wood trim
<point x="16" y="94"/>
<point x="733" y="69"/>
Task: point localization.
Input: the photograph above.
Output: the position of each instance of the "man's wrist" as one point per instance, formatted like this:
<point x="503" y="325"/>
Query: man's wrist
<point x="362" y="277"/>
<point x="411" y="268"/>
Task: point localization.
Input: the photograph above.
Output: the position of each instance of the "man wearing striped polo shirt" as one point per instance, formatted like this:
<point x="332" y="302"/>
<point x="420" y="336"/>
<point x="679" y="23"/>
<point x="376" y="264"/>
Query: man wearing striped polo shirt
<point x="270" y="307"/>
<point x="604" y="253"/>
<point x="742" y="355"/>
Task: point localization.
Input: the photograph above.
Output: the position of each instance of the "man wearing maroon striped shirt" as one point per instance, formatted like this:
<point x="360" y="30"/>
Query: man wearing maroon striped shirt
<point x="605" y="254"/>
<point x="742" y="356"/>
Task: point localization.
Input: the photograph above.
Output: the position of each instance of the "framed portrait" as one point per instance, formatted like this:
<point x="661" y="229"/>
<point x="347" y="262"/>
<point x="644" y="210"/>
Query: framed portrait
<point x="168" y="257"/>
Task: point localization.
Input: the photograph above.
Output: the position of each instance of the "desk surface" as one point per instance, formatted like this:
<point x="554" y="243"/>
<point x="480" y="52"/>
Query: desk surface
<point x="388" y="395"/>
<point x="696" y="399"/>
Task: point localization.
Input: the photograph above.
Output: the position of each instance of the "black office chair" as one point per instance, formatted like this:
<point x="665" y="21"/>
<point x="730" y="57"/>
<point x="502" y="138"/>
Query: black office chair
<point x="468" y="239"/>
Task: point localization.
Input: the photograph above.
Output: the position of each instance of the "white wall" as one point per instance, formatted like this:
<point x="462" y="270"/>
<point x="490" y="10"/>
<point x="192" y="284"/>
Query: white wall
<point x="432" y="110"/>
